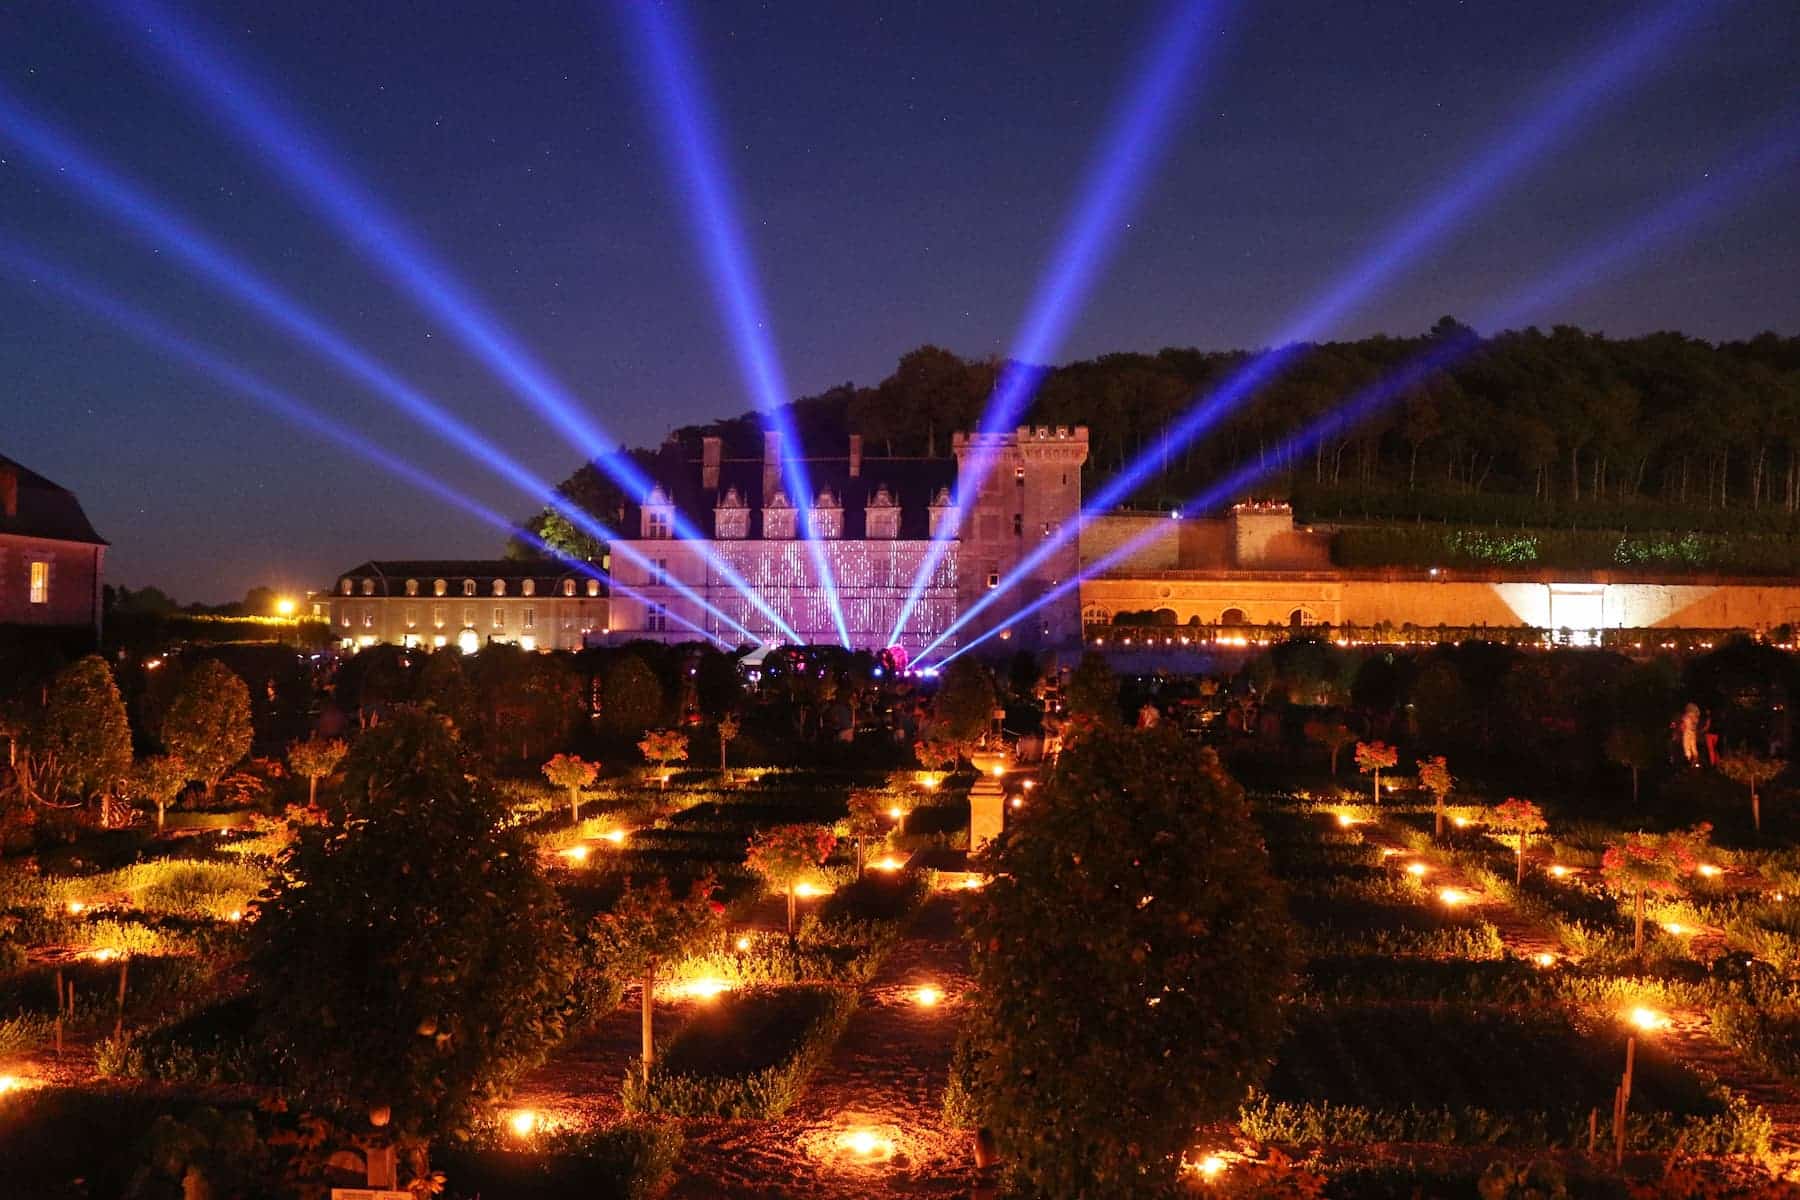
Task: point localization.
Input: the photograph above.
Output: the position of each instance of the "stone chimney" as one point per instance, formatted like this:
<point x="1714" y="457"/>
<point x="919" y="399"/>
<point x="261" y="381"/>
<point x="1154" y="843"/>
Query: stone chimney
<point x="711" y="450"/>
<point x="856" y="456"/>
<point x="772" y="465"/>
<point x="9" y="490"/>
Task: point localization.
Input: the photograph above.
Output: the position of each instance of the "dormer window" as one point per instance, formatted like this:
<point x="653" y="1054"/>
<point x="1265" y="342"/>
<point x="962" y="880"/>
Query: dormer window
<point x="731" y="516"/>
<point x="528" y="588"/>
<point x="412" y="587"/>
<point x="345" y="587"/>
<point x="368" y="587"/>
<point x="593" y="587"/>
<point x="827" y="517"/>
<point x="941" y="509"/>
<point x="468" y="587"/>
<point x="659" y="515"/>
<point x="778" y="517"/>
<point x="568" y="587"/>
<point x="881" y="519"/>
<point x="499" y="587"/>
<point x="439" y="587"/>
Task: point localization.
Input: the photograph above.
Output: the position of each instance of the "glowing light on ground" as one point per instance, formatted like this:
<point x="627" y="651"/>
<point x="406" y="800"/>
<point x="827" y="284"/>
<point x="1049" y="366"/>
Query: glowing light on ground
<point x="703" y="989"/>
<point x="576" y="854"/>
<point x="927" y="996"/>
<point x="1708" y="870"/>
<point x="1417" y="869"/>
<point x="236" y="914"/>
<point x="888" y="863"/>
<point x="1453" y="896"/>
<point x="1460" y="822"/>
<point x="11" y="1083"/>
<point x="743" y="944"/>
<point x="1675" y="927"/>
<point x="866" y="1145"/>
<point x="615" y="836"/>
<point x="1210" y="1167"/>
<point x="1647" y="1019"/>
<point x="1558" y="870"/>
<point x="895" y="813"/>
<point x="75" y="908"/>
<point x="1544" y="960"/>
<point x="808" y="890"/>
<point x="523" y="1123"/>
<point x="1346" y="820"/>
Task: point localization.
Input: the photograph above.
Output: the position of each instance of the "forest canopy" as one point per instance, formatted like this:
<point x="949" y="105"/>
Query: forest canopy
<point x="1529" y="426"/>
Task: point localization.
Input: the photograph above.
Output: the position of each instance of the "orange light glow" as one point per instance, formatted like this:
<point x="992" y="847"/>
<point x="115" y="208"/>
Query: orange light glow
<point x="894" y="813"/>
<point x="523" y="1123"/>
<point x="1416" y="869"/>
<point x="927" y="996"/>
<point x="1708" y="870"/>
<point x="1558" y="870"/>
<point x="1544" y="960"/>
<point x="704" y="989"/>
<point x="576" y="854"/>
<point x="616" y="836"/>
<point x="1453" y="896"/>
<point x="889" y="863"/>
<point x="1346" y="820"/>
<point x="743" y="944"/>
<point x="76" y="908"/>
<point x="1648" y="1019"/>
<point x="866" y="1145"/>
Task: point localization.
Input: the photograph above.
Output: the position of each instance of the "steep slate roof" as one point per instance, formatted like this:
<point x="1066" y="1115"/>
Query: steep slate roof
<point x="390" y="575"/>
<point x="912" y="482"/>
<point x="46" y="510"/>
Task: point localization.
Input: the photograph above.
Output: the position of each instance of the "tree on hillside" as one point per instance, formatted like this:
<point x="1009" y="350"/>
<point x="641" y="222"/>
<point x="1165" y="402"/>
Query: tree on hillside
<point x="314" y="759"/>
<point x="1752" y="770"/>
<point x="413" y="958"/>
<point x="1131" y="953"/>
<point x="84" y="727"/>
<point x="1093" y="693"/>
<point x="647" y="929"/>
<point x="159" y="779"/>
<point x="572" y="772"/>
<point x="1521" y="819"/>
<point x="787" y="856"/>
<point x="208" y="725"/>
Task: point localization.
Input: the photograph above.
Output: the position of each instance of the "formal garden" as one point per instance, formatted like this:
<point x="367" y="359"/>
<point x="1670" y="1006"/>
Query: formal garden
<point x="631" y="923"/>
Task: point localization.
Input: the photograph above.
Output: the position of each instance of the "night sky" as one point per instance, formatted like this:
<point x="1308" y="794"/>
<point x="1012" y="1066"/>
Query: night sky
<point x="902" y="171"/>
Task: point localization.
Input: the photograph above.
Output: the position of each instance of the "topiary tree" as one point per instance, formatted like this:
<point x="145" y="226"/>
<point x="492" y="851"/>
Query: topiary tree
<point x="1752" y="770"/>
<point x="963" y="706"/>
<point x="1521" y="818"/>
<point x="159" y="779"/>
<point x="1642" y="863"/>
<point x="729" y="728"/>
<point x="662" y="747"/>
<point x="868" y="819"/>
<point x="934" y="754"/>
<point x="647" y="929"/>
<point x="413" y="959"/>
<point x="574" y="773"/>
<point x="314" y="759"/>
<point x="785" y="855"/>
<point x="1634" y="747"/>
<point x="1131" y="953"/>
<point x="208" y="724"/>
<point x="1374" y="758"/>
<point x="1333" y="735"/>
<point x="85" y="729"/>
<point x="1093" y="693"/>
<point x="1434" y="777"/>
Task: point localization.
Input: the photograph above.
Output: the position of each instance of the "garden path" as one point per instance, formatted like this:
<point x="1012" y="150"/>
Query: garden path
<point x="886" y="1075"/>
<point x="1688" y="1036"/>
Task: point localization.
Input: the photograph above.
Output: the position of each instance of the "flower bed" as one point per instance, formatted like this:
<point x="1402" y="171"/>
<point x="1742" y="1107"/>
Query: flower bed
<point x="746" y="1055"/>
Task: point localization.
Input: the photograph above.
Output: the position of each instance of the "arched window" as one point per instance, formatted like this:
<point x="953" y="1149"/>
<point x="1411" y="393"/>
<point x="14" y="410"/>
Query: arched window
<point x="568" y="587"/>
<point x="345" y="587"/>
<point x="1302" y="616"/>
<point x="412" y="587"/>
<point x="468" y="587"/>
<point x="593" y="587"/>
<point x="439" y="587"/>
<point x="1232" y="616"/>
<point x="528" y="588"/>
<point x="368" y="587"/>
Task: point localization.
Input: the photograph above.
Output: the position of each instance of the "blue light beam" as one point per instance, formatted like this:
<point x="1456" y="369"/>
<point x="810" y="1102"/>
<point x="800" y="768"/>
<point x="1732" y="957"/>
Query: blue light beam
<point x="1578" y="91"/>
<point x="1598" y="259"/>
<point x="63" y="161"/>
<point x="227" y="92"/>
<point x="119" y="316"/>
<point x="685" y="123"/>
<point x="1168" y="67"/>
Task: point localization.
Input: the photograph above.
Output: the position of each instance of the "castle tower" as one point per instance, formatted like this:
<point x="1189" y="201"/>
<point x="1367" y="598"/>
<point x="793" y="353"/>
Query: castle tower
<point x="1031" y="493"/>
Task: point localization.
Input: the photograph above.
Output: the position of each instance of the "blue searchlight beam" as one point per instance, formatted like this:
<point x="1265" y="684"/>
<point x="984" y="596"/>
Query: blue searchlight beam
<point x="116" y="314"/>
<point x="226" y="91"/>
<point x="1683" y="211"/>
<point x="1620" y="61"/>
<point x="1169" y="67"/>
<point x="60" y="158"/>
<point x="685" y="127"/>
